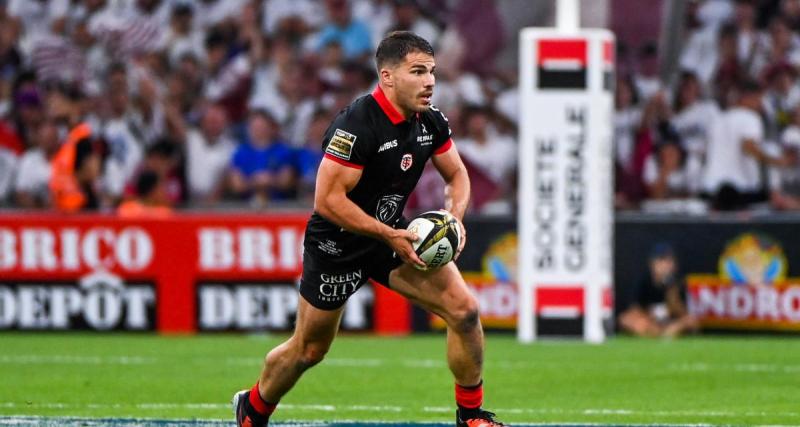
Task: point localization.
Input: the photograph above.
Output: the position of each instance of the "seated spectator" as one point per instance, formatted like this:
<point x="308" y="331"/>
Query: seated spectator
<point x="151" y="199"/>
<point x="208" y="155"/>
<point x="31" y="183"/>
<point x="736" y="152"/>
<point x="261" y="169"/>
<point x="784" y="182"/>
<point x="658" y="307"/>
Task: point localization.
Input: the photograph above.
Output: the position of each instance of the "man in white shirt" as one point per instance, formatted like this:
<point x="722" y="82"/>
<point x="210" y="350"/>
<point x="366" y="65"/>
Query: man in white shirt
<point x="208" y="154"/>
<point x="733" y="176"/>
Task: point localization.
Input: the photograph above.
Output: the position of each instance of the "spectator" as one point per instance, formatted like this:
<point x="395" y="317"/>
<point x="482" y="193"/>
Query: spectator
<point x="261" y="168"/>
<point x="658" y="307"/>
<point x="351" y="34"/>
<point x="493" y="153"/>
<point x="163" y="158"/>
<point x="784" y="182"/>
<point x="781" y="98"/>
<point x="309" y="156"/>
<point x="208" y="154"/>
<point x="692" y="121"/>
<point x="736" y="153"/>
<point x="123" y="134"/>
<point x="665" y="171"/>
<point x="31" y="185"/>
<point x="151" y="199"/>
<point x="730" y="70"/>
<point x="407" y="17"/>
<point x="73" y="168"/>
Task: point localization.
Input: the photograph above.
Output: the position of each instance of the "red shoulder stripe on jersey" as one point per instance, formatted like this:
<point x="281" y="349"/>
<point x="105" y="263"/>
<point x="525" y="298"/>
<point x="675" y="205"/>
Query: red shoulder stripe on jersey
<point x="387" y="106"/>
<point x="446" y="146"/>
<point x="343" y="162"/>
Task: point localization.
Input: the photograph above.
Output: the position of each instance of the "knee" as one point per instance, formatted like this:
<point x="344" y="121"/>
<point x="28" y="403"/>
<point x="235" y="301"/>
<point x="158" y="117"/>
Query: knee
<point x="465" y="317"/>
<point x="311" y="354"/>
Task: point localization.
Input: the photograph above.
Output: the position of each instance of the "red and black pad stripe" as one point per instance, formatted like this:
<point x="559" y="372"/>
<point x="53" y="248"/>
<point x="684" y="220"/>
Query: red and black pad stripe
<point x="559" y="310"/>
<point x="562" y="64"/>
<point x="608" y="65"/>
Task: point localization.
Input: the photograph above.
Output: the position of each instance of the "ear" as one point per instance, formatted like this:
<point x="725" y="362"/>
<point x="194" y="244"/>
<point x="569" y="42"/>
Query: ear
<point x="386" y="77"/>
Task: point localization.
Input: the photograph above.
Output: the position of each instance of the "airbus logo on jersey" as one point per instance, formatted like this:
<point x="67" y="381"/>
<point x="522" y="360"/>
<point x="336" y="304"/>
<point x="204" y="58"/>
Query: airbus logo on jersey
<point x="387" y="145"/>
<point x="405" y="163"/>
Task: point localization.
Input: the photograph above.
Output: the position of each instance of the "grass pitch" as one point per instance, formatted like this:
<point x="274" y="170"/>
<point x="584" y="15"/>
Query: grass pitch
<point x="708" y="380"/>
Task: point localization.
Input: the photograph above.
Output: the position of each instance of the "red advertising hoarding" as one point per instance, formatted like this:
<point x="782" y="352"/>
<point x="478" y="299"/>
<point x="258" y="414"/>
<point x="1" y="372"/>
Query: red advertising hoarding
<point x="181" y="274"/>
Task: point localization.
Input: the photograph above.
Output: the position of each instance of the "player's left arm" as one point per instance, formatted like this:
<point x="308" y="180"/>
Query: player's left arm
<point x="457" y="188"/>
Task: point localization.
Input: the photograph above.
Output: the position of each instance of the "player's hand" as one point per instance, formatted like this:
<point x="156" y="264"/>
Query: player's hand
<point x="463" y="241"/>
<point x="400" y="241"/>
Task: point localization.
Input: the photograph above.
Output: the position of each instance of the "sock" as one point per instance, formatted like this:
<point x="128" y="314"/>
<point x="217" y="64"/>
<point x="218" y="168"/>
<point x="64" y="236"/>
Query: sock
<point x="469" y="400"/>
<point x="257" y="408"/>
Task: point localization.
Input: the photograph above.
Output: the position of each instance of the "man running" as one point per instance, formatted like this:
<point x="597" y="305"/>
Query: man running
<point x="375" y="151"/>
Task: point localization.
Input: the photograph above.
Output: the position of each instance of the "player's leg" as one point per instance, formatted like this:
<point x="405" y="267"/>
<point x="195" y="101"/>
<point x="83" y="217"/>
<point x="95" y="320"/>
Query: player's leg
<point x="314" y="332"/>
<point x="444" y="293"/>
<point x="313" y="335"/>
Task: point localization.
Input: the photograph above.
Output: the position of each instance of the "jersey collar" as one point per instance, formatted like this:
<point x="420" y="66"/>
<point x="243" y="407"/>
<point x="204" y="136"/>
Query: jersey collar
<point x="394" y="116"/>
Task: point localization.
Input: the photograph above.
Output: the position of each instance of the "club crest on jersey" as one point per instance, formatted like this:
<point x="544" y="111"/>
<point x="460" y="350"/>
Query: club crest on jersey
<point x="341" y="144"/>
<point x="405" y="163"/>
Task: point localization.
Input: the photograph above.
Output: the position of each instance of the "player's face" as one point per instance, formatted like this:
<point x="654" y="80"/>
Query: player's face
<point x="413" y="82"/>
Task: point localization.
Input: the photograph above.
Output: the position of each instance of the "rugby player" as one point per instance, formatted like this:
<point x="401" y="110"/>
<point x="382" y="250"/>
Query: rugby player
<point x="375" y="151"/>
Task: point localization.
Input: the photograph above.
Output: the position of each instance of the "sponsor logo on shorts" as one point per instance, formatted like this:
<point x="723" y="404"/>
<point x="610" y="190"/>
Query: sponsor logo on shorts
<point x="339" y="286"/>
<point x="405" y="163"/>
<point x="341" y="144"/>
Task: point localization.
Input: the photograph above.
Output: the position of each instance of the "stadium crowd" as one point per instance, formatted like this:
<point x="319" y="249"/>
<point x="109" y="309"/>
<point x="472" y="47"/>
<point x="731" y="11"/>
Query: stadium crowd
<point x="725" y="135"/>
<point x="129" y="105"/>
<point x="142" y="106"/>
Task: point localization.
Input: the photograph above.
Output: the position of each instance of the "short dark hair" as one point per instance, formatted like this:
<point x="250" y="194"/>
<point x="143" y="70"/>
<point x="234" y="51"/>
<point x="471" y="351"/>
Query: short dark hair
<point x="395" y="46"/>
<point x="146" y="182"/>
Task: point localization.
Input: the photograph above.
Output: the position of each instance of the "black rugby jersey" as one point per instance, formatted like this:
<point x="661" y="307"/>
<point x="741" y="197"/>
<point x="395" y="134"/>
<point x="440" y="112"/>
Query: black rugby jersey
<point x="371" y="135"/>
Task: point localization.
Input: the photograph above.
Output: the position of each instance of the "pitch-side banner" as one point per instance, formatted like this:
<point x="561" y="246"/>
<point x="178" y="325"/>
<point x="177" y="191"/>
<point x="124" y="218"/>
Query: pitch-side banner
<point x="565" y="190"/>
<point x="182" y="274"/>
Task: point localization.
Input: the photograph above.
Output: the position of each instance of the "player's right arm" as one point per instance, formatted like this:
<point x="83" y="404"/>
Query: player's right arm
<point x="334" y="181"/>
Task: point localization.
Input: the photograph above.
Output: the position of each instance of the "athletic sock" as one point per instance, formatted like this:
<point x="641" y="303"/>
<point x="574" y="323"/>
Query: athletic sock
<point x="257" y="408"/>
<point x="469" y="400"/>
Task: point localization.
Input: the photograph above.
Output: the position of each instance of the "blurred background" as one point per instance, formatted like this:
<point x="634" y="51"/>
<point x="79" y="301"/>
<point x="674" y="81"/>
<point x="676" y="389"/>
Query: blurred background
<point x="210" y="113"/>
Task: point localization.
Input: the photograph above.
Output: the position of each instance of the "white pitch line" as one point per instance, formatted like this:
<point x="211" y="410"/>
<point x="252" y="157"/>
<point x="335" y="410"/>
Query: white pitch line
<point x="391" y="408"/>
<point x="35" y="359"/>
<point x="737" y="367"/>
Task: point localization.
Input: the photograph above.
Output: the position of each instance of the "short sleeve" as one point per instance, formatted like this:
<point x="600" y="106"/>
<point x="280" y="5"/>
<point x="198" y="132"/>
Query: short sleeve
<point x="752" y="128"/>
<point x="443" y="138"/>
<point x="239" y="159"/>
<point x="348" y="144"/>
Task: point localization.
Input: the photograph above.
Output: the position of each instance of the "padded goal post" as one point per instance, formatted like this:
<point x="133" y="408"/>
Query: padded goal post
<point x="565" y="215"/>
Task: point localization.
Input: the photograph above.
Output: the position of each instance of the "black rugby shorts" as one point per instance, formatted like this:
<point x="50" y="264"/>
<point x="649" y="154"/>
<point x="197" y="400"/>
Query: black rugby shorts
<point x="327" y="284"/>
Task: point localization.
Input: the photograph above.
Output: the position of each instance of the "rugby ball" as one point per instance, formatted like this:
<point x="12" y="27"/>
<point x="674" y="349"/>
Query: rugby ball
<point x="439" y="237"/>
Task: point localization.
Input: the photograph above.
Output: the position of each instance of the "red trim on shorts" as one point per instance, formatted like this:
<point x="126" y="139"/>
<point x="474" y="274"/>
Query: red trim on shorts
<point x="259" y="404"/>
<point x="446" y="146"/>
<point x="394" y="116"/>
<point x="343" y="162"/>
<point x="470" y="397"/>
